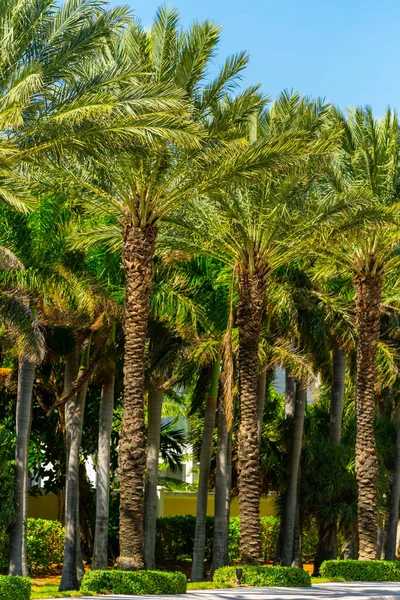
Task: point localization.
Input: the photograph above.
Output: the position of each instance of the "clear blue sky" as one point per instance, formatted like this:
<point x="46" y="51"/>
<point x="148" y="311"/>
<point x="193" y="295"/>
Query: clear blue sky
<point x="347" y="51"/>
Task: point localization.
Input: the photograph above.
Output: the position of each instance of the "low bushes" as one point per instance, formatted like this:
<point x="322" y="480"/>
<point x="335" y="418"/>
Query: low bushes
<point x="134" y="582"/>
<point x="361" y="570"/>
<point x="14" y="588"/>
<point x="175" y="539"/>
<point x="264" y="576"/>
<point x="44" y="542"/>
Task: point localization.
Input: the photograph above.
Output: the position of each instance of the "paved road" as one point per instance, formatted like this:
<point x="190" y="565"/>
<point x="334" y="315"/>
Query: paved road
<point x="324" y="591"/>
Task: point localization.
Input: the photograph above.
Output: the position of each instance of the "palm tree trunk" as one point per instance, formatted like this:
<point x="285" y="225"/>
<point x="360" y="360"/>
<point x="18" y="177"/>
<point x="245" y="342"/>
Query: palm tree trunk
<point x="204" y="475"/>
<point x="221" y="515"/>
<point x="250" y="310"/>
<point x="138" y="253"/>
<point x="100" y="550"/>
<point x="368" y="301"/>
<point x="70" y="576"/>
<point x="293" y="476"/>
<point x="290" y="394"/>
<point x="155" y="400"/>
<point x="72" y="569"/>
<point x="18" y="557"/>
<point x="391" y="540"/>
<point x="261" y="390"/>
<point x="297" y="546"/>
<point x="337" y="394"/>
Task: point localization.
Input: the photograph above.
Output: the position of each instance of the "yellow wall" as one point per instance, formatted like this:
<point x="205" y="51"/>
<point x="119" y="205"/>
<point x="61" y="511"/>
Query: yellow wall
<point x="184" y="503"/>
<point x="170" y="504"/>
<point x="45" y="507"/>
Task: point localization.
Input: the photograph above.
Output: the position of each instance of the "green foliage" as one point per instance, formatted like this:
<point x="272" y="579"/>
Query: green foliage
<point x="134" y="582"/>
<point x="269" y="532"/>
<point x="361" y="570"/>
<point x="6" y="479"/>
<point x="175" y="538"/>
<point x="14" y="588"/>
<point x="45" y="545"/>
<point x="264" y="576"/>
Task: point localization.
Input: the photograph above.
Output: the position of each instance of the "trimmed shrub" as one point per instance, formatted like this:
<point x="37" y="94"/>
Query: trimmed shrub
<point x="361" y="570"/>
<point x="134" y="582"/>
<point x="264" y="576"/>
<point x="175" y="538"/>
<point x="45" y="544"/>
<point x="14" y="588"/>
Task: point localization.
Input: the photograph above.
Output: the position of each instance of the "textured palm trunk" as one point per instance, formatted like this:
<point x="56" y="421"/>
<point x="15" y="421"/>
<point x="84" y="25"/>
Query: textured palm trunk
<point x="250" y="310"/>
<point x="337" y="394"/>
<point x="391" y="540"/>
<point x="261" y="390"/>
<point x="138" y="253"/>
<point x="18" y="557"/>
<point x="72" y="570"/>
<point x="100" y="550"/>
<point x="155" y="400"/>
<point x="220" y="555"/>
<point x="368" y="301"/>
<point x="293" y="475"/>
<point x="204" y="475"/>
<point x="290" y="394"/>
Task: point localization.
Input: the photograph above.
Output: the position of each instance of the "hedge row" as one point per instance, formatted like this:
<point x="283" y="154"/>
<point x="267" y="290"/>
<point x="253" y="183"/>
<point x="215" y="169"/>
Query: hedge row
<point x="361" y="570"/>
<point x="134" y="582"/>
<point x="175" y="539"/>
<point x="14" y="588"/>
<point x="264" y="576"/>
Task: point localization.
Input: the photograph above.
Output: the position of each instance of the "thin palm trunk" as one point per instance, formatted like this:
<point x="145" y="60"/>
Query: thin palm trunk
<point x="293" y="476"/>
<point x="250" y="310"/>
<point x="155" y="400"/>
<point x="337" y="394"/>
<point x="297" y="543"/>
<point x="18" y="556"/>
<point x="290" y="394"/>
<point x="368" y="299"/>
<point x="261" y="390"/>
<point x="100" y="550"/>
<point x="204" y="475"/>
<point x="391" y="540"/>
<point x="221" y="515"/>
<point x="72" y="569"/>
<point x="138" y="253"/>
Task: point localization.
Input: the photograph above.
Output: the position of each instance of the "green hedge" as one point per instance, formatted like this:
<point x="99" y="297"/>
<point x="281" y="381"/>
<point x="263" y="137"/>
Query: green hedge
<point x="265" y="576"/>
<point x="134" y="582"/>
<point x="14" y="588"/>
<point x="361" y="570"/>
<point x="175" y="539"/>
<point x="44" y="542"/>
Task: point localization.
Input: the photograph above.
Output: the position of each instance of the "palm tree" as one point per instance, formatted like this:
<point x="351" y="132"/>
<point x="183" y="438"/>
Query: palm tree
<point x="245" y="229"/>
<point x="140" y="191"/>
<point x="364" y="245"/>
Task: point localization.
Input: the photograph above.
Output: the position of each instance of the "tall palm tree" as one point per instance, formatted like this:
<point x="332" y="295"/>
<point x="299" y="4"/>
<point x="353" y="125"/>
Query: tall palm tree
<point x="141" y="190"/>
<point x="368" y="252"/>
<point x="245" y="228"/>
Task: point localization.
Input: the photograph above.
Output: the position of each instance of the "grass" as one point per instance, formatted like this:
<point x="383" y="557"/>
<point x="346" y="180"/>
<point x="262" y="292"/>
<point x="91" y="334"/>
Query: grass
<point x="50" y="590"/>
<point x="207" y="585"/>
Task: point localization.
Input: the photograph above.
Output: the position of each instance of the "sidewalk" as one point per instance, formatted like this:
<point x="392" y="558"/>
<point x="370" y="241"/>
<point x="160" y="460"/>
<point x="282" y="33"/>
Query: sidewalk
<point x="323" y="591"/>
